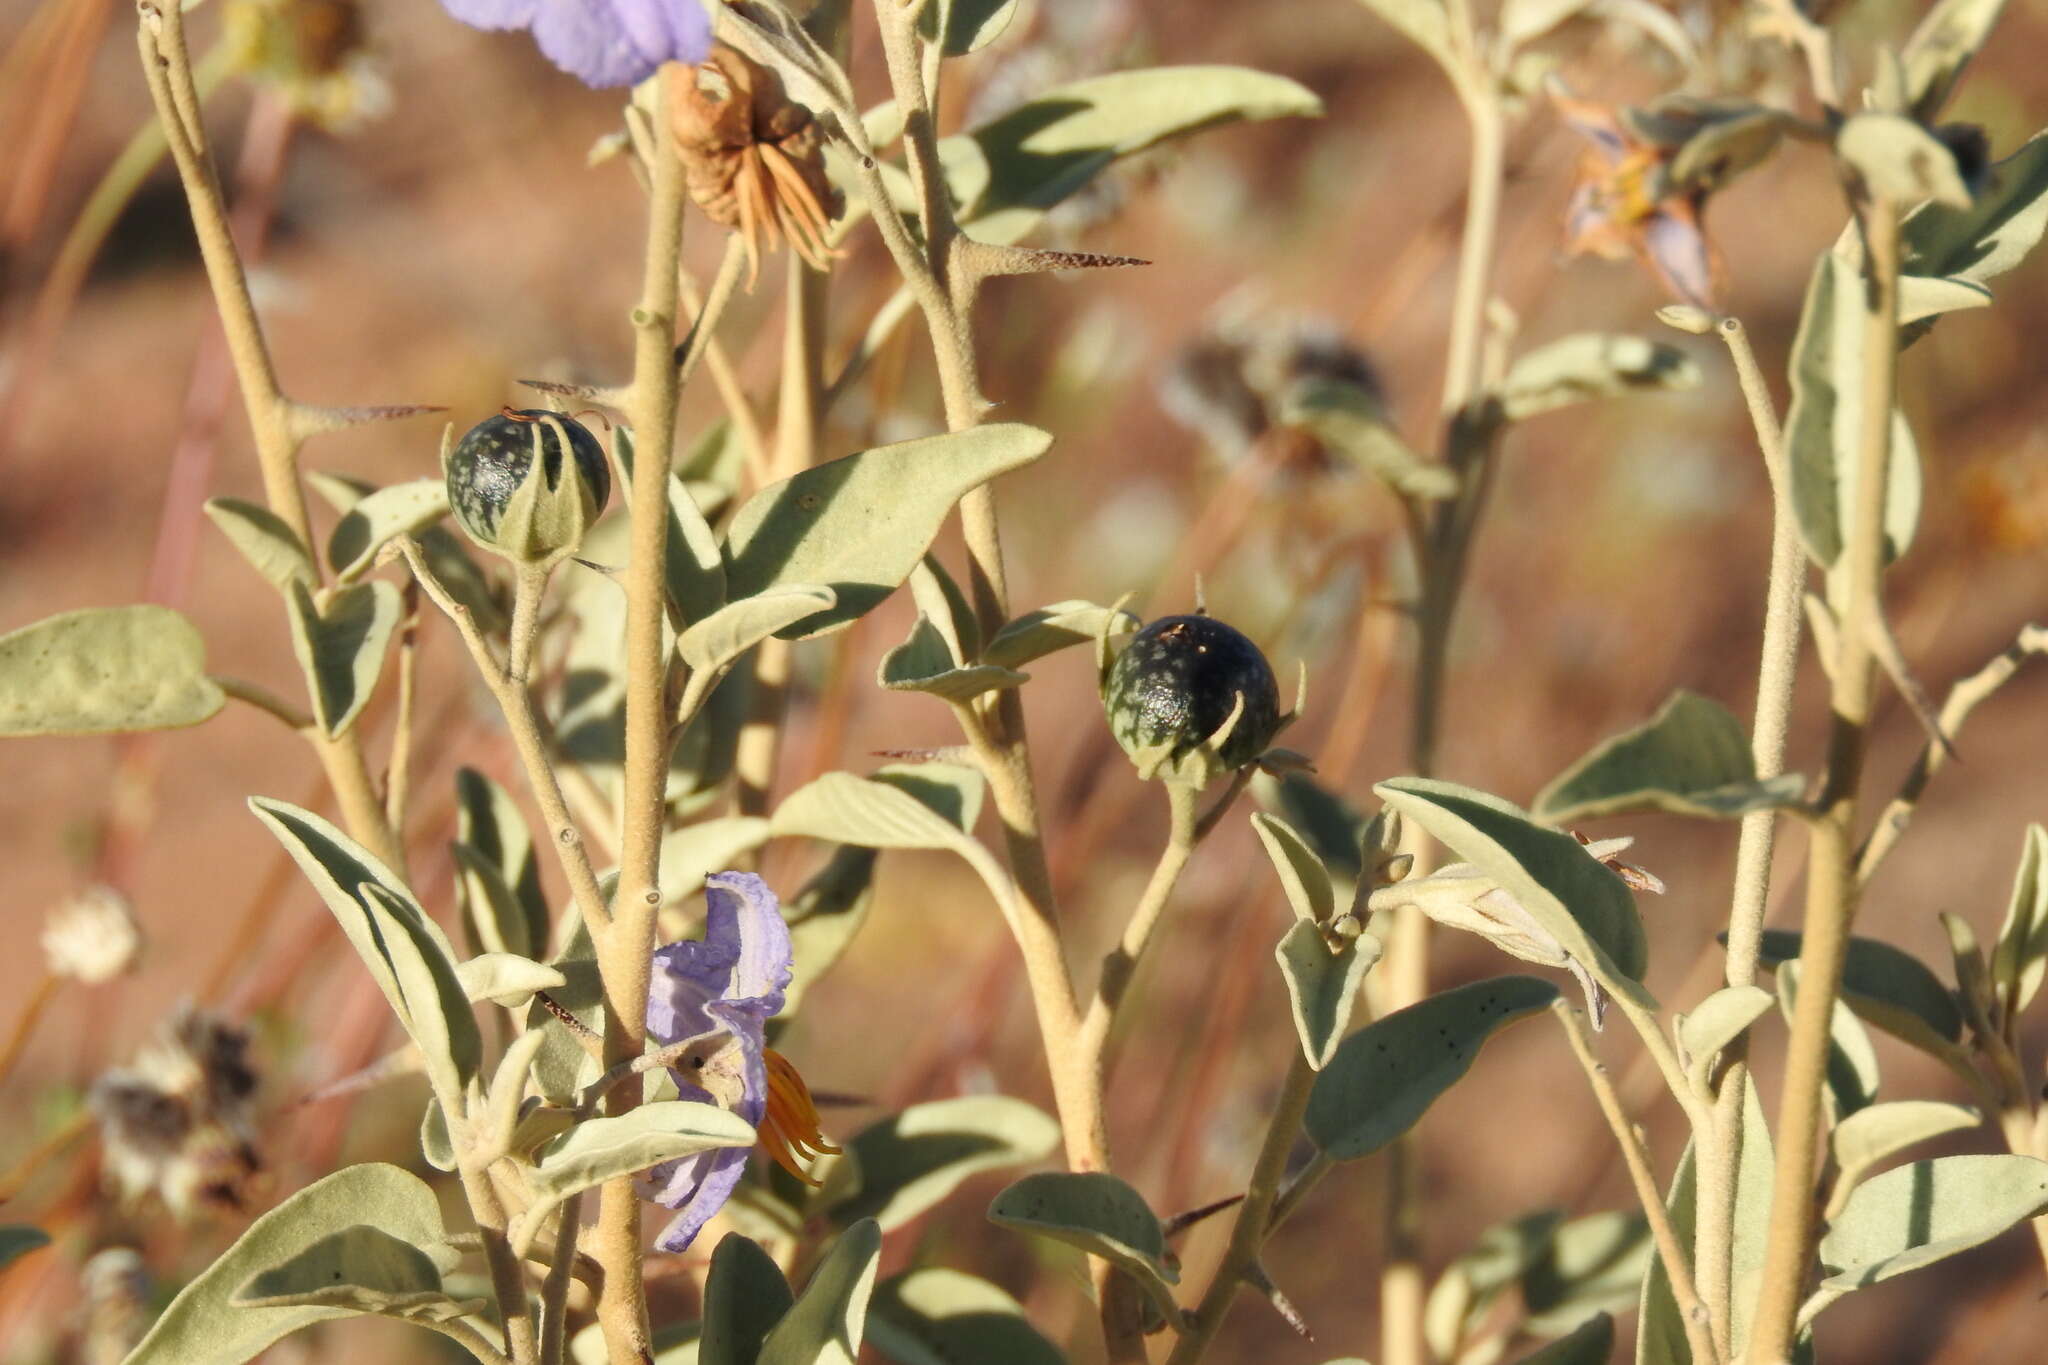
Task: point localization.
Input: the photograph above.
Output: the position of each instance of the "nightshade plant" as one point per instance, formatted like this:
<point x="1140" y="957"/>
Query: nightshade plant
<point x="580" y="1067"/>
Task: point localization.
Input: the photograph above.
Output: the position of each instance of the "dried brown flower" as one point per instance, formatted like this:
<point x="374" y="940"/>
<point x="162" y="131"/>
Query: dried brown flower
<point x="752" y="157"/>
<point x="179" y="1122"/>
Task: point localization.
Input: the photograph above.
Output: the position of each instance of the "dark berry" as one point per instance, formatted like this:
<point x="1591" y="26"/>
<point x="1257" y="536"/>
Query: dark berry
<point x="1177" y="682"/>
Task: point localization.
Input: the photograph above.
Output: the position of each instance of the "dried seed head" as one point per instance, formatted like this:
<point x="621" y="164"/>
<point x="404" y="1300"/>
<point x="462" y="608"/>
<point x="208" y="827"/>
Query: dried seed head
<point x="93" y="937"/>
<point x="179" y="1122"/>
<point x="753" y="158"/>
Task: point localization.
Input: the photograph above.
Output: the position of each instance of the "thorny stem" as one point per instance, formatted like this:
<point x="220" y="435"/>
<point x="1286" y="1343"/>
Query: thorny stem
<point x="625" y="948"/>
<point x="1831" y="880"/>
<point x="1255" y="1216"/>
<point x="1720" y="1150"/>
<point x="1121" y="964"/>
<point x="1698" y="1333"/>
<point x="160" y="38"/>
<point x="944" y="283"/>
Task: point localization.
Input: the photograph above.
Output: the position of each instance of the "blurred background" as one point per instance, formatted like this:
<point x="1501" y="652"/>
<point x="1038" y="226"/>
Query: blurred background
<point x="429" y="231"/>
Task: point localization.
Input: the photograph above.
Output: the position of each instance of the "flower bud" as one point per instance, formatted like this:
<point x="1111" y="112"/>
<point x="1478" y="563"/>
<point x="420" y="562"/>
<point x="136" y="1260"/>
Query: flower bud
<point x="1191" y="698"/>
<point x="514" y="493"/>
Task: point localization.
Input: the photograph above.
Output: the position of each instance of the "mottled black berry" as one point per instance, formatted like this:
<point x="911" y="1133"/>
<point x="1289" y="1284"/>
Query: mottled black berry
<point x="491" y="461"/>
<point x="1177" y="682"/>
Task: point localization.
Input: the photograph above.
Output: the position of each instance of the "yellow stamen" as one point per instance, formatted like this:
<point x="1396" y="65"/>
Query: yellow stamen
<point x="790" y="1128"/>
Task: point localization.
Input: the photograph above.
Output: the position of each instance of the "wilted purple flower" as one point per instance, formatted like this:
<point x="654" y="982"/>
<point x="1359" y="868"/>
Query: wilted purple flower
<point x="600" y="42"/>
<point x="720" y="993"/>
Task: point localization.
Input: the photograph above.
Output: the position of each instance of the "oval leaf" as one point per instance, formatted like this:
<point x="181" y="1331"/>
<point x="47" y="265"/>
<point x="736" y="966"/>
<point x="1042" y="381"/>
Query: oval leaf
<point x="859" y="524"/>
<point x="1576" y="369"/>
<point x="1582" y="904"/>
<point x="601" y="1149"/>
<point x="845" y="809"/>
<point x="1036" y="634"/>
<point x="2021" y="957"/>
<point x="1916" y="1215"/>
<point x="507" y="979"/>
<point x="720" y="638"/>
<point x="1691" y="758"/>
<point x="378" y="518"/>
<point x="828" y="1320"/>
<point x="1868" y="1136"/>
<point x="1387" y="1074"/>
<point x="203" y="1326"/>
<point x="272" y="548"/>
<point x="1591" y="1343"/>
<point x="1890" y="988"/>
<point x="1720" y="1019"/>
<point x="1101" y="1215"/>
<point x="1322" y="985"/>
<point x="924" y="663"/>
<point x="105" y="669"/>
<point x="964" y="26"/>
<point x="491" y="834"/>
<point x="342" y="648"/>
<point x="363" y="1269"/>
<point x="942" y="1317"/>
<point x="912" y="1160"/>
<point x="1302" y="874"/>
<point x="744" y="1297"/>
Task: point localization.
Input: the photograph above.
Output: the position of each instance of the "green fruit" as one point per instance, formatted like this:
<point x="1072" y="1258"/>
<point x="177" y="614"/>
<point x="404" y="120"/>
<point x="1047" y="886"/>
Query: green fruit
<point x="1178" y="681"/>
<point x="494" y="461"/>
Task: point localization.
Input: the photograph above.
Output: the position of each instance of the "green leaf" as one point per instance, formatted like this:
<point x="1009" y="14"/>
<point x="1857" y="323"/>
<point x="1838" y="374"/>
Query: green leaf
<point x="1385" y="1076"/>
<point x="845" y="809"/>
<point x="1101" y="1215"/>
<point x="601" y="1149"/>
<point x="1579" y="902"/>
<point x="1899" y="160"/>
<point x="1993" y="234"/>
<point x="912" y="1160"/>
<point x="1302" y="875"/>
<point x="105" y="669"/>
<point x="1913" y="1216"/>
<point x="2021" y="957"/>
<point x="940" y="598"/>
<point x="361" y="1269"/>
<point x="1719" y="1020"/>
<point x="823" y="918"/>
<point x="1588" y="1265"/>
<point x="1889" y="988"/>
<point x="859" y="524"/>
<point x="203" y="1326"/>
<point x="967" y="25"/>
<point x="718" y="640"/>
<point x="1660" y="1336"/>
<point x="1465" y="1293"/>
<point x="378" y="518"/>
<point x="1934" y="57"/>
<point x="925" y="663"/>
<point x="1350" y="421"/>
<point x="745" y="1295"/>
<point x="942" y="1317"/>
<point x="507" y="979"/>
<point x="1330" y="825"/>
<point x="1929" y="296"/>
<point x="1822" y="425"/>
<point x="695" y="566"/>
<point x="1691" y="758"/>
<point x="694" y="852"/>
<point x="1005" y="174"/>
<point x="18" y="1240"/>
<point x="1591" y="1343"/>
<point x="1869" y="1136"/>
<point x="342" y="648"/>
<point x="489" y="825"/>
<point x="1852" y="1074"/>
<point x="1036" y="634"/>
<point x="272" y="548"/>
<point x="1589" y="365"/>
<point x="828" y="1320"/>
<point x="1322" y="985"/>
<point x="406" y="952"/>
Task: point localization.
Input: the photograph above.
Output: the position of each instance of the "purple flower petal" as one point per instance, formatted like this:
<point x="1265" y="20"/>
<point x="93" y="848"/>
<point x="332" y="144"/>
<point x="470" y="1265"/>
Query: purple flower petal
<point x="600" y="42"/>
<point x="697" y="1187"/>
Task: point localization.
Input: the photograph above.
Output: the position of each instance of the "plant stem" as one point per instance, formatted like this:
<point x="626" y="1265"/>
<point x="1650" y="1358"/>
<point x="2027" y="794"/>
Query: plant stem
<point x="507" y="1280"/>
<point x="1121" y="964"/>
<point x="554" y="1290"/>
<point x="160" y="38"/>
<point x="1698" y="1333"/>
<point x="1831" y="880"/>
<point x="469" y="1339"/>
<point x="264" y="700"/>
<point x="1254" y="1215"/>
<point x="1719" y="1152"/>
<point x="626" y="947"/>
<point x="39" y="998"/>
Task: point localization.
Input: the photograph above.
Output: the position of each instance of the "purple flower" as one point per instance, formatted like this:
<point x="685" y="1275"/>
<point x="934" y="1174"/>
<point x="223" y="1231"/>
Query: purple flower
<point x="719" y="993"/>
<point x="600" y="42"/>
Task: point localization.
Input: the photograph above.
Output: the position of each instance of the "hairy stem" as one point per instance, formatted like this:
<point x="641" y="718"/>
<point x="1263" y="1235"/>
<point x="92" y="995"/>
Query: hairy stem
<point x="1121" y="964"/>
<point x="507" y="1280"/>
<point x="554" y="1291"/>
<point x="1720" y="1151"/>
<point x="625" y="949"/>
<point x="1831" y="881"/>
